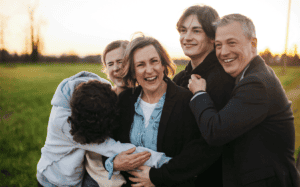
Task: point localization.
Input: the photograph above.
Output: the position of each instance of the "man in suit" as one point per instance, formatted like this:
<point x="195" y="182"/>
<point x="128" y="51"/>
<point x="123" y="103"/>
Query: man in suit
<point x="257" y="124"/>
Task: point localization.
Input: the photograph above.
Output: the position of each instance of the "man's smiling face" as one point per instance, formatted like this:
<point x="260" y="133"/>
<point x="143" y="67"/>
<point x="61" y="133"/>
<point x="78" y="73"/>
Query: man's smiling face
<point x="233" y="49"/>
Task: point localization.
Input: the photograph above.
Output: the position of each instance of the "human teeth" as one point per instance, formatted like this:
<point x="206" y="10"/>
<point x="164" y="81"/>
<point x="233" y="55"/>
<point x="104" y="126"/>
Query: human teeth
<point x="150" y="79"/>
<point x="228" y="60"/>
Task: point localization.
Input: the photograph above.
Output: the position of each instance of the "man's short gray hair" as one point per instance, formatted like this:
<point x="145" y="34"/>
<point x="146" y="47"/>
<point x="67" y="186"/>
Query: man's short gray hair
<point x="246" y="23"/>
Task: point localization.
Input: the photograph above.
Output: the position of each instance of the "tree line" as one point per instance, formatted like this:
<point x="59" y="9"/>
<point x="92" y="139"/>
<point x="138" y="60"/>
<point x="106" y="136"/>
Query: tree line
<point x="292" y="58"/>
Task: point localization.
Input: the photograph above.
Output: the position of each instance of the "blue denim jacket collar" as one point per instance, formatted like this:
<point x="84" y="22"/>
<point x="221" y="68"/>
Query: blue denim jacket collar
<point x="158" y="107"/>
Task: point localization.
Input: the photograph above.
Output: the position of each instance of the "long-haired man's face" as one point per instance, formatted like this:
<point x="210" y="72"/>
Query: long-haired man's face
<point x="194" y="41"/>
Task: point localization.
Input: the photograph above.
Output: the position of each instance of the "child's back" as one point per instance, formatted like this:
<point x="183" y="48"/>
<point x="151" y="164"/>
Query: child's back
<point x="61" y="162"/>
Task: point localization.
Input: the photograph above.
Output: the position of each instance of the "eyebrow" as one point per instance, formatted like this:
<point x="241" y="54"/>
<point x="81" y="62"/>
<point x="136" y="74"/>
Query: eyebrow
<point x="226" y="39"/>
<point x="196" y="27"/>
<point x="120" y="59"/>
<point x="156" y="57"/>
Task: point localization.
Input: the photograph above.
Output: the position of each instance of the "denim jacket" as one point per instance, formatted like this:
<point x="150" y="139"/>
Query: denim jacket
<point x="146" y="136"/>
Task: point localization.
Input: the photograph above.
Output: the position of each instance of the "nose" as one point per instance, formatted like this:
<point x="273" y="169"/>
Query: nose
<point x="224" y="51"/>
<point x="117" y="67"/>
<point x="188" y="35"/>
<point x="149" y="68"/>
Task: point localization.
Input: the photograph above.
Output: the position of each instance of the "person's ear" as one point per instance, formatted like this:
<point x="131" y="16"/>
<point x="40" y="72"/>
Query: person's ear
<point x="254" y="44"/>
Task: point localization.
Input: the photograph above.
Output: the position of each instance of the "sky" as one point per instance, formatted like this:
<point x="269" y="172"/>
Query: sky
<point x="85" y="27"/>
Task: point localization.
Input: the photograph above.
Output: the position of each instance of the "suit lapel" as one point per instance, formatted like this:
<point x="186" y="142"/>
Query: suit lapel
<point x="255" y="64"/>
<point x="166" y="112"/>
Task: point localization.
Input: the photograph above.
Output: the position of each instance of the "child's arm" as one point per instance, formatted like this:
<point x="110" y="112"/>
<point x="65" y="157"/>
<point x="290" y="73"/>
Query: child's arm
<point x="111" y="148"/>
<point x="156" y="160"/>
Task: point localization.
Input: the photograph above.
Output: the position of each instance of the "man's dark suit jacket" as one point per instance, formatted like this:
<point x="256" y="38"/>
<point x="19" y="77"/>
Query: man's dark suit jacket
<point x="219" y="86"/>
<point x="256" y="127"/>
<point x="178" y="137"/>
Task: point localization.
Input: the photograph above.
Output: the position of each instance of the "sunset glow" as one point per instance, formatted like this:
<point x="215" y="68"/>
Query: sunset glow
<point x="86" y="27"/>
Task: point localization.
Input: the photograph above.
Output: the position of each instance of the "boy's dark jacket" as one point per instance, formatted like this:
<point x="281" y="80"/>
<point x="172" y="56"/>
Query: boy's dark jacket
<point x="219" y="87"/>
<point x="219" y="84"/>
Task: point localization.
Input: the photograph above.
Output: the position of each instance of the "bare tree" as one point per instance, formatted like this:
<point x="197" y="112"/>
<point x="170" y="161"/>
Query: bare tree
<point x="35" y="36"/>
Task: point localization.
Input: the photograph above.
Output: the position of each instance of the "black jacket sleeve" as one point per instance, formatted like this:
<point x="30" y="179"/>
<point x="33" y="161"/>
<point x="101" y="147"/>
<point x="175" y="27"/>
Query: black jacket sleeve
<point x="247" y="108"/>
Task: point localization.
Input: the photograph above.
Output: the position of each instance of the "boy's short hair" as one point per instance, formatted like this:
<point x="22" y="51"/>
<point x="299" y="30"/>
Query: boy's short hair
<point x="206" y="17"/>
<point x="94" y="112"/>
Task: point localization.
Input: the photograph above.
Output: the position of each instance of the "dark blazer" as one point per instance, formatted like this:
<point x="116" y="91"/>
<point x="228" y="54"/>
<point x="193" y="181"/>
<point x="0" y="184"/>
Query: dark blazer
<point x="256" y="127"/>
<point x="178" y="137"/>
<point x="219" y="87"/>
<point x="219" y="84"/>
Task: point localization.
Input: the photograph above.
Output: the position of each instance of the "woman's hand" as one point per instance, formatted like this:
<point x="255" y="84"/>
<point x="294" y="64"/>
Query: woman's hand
<point x="141" y="177"/>
<point x="126" y="161"/>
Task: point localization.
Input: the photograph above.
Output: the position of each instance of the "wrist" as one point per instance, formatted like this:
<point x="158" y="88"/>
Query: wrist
<point x="109" y="166"/>
<point x="199" y="91"/>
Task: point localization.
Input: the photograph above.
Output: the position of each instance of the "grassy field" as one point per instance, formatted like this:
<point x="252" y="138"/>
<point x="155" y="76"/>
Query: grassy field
<point x="25" y="95"/>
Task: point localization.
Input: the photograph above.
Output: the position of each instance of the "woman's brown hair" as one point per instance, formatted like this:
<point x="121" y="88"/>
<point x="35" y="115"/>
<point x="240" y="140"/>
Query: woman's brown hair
<point x="141" y="42"/>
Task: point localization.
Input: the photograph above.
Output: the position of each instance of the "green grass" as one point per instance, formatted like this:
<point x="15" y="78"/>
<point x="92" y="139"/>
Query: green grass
<point x="25" y="95"/>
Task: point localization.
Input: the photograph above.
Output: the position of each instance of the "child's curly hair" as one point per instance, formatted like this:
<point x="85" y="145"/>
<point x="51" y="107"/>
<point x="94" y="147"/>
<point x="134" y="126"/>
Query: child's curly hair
<point x="94" y="112"/>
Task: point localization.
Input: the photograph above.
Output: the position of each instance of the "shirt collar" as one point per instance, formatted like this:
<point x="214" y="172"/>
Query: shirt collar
<point x="209" y="61"/>
<point x="241" y="75"/>
<point x="159" y="105"/>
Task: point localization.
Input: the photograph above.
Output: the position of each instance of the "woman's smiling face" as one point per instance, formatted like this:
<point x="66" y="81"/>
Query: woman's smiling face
<point x="149" y="71"/>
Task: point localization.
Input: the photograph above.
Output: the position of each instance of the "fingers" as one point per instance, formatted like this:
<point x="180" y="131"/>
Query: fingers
<point x="141" y="167"/>
<point x="195" y="76"/>
<point x="129" y="151"/>
<point x="140" y="155"/>
<point x="134" y="173"/>
<point x="139" y="161"/>
<point x="137" y="185"/>
<point x="125" y="162"/>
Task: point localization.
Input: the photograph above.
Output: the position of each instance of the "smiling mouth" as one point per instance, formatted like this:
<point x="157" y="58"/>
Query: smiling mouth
<point x="150" y="78"/>
<point x="189" y="45"/>
<point x="229" y="60"/>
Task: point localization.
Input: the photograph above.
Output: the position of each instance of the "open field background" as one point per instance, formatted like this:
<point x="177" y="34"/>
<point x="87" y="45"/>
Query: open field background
<point x="25" y="95"/>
